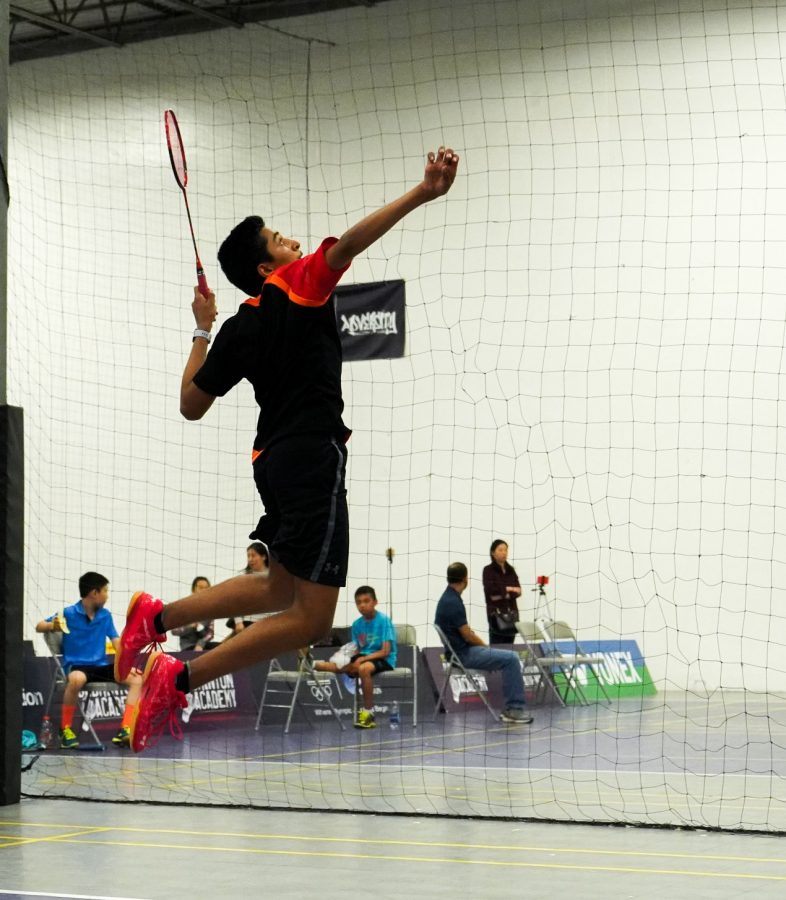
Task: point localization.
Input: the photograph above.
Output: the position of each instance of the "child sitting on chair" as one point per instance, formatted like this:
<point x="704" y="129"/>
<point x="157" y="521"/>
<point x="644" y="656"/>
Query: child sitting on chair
<point x="375" y="638"/>
<point x="86" y="628"/>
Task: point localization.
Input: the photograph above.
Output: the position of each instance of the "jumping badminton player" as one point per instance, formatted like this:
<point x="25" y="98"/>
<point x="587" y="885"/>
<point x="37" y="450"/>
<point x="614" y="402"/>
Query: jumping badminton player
<point x="285" y="341"/>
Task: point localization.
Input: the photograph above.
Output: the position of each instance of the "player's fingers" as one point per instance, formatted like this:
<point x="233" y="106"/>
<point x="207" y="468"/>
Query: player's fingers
<point x="431" y="156"/>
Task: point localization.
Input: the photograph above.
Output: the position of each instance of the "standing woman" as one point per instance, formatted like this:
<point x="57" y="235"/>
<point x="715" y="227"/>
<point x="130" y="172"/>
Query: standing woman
<point x="502" y="589"/>
<point x="257" y="563"/>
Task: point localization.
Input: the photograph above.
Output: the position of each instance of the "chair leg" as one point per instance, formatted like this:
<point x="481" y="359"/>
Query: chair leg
<point x="548" y="682"/>
<point x="262" y="701"/>
<point x="295" y="691"/>
<point x="572" y="681"/>
<point x="87" y="722"/>
<point x="482" y="694"/>
<point x="601" y="685"/>
<point x="313" y="674"/>
<point x="442" y="691"/>
<point x="414" y="688"/>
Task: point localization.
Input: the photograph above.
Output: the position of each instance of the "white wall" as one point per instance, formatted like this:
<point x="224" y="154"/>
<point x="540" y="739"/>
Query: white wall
<point x="595" y="314"/>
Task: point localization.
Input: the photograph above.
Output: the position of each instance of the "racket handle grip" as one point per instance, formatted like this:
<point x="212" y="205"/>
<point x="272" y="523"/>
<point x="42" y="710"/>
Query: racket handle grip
<point x="202" y="281"/>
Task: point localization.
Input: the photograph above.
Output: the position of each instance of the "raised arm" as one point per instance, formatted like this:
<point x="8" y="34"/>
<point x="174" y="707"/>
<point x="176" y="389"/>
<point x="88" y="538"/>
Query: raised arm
<point x="438" y="178"/>
<point x="194" y="402"/>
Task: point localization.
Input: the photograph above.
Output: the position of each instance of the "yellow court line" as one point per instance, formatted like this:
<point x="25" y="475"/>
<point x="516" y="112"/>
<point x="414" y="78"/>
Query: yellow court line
<point x="423" y="859"/>
<point x="55" y="837"/>
<point x="392" y="842"/>
<point x="570" y="796"/>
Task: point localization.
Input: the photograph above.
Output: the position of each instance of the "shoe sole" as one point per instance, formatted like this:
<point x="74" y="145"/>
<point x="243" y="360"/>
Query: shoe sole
<point x="516" y="721"/>
<point x="132" y="603"/>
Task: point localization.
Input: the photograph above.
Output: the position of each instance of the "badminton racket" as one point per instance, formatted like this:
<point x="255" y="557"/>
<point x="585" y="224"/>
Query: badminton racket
<point x="177" y="156"/>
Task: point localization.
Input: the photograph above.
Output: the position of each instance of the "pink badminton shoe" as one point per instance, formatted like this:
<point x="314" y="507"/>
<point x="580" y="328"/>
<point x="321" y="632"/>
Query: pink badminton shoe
<point x="139" y="635"/>
<point x="158" y="703"/>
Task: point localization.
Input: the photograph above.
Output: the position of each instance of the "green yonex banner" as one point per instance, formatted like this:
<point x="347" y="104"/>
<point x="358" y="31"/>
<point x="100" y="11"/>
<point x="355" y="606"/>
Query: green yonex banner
<point x="623" y="671"/>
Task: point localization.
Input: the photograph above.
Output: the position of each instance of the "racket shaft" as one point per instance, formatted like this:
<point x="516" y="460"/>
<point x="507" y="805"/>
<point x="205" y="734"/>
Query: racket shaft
<point x="201" y="280"/>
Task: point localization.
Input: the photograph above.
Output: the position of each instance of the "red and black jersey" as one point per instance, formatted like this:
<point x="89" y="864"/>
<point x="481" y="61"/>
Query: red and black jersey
<point x="286" y="343"/>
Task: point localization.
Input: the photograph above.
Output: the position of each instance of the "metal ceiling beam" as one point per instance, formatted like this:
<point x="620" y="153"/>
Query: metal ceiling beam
<point x="165" y="21"/>
<point x="203" y="13"/>
<point x="46" y="22"/>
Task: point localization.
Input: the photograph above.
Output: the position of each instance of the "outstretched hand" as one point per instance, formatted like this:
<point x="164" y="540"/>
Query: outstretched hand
<point x="440" y="171"/>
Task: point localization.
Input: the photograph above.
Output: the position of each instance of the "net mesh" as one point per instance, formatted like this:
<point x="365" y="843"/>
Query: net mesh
<point x="593" y="369"/>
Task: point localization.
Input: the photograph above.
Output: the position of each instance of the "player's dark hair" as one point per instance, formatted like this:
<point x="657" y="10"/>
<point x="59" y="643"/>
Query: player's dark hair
<point x="495" y="544"/>
<point x="457" y="572"/>
<point x="91" y="581"/>
<point x="242" y="251"/>
<point x="366" y="589"/>
<point x="196" y="581"/>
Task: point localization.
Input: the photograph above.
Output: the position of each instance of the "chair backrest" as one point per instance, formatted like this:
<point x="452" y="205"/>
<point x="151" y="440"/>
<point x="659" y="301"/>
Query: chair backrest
<point x="561" y="631"/>
<point x="54" y="642"/>
<point x="529" y="631"/>
<point x="444" y="638"/>
<point x="406" y="635"/>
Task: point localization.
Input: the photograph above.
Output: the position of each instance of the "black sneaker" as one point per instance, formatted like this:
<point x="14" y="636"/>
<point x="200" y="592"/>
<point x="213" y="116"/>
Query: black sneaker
<point x="515" y="717"/>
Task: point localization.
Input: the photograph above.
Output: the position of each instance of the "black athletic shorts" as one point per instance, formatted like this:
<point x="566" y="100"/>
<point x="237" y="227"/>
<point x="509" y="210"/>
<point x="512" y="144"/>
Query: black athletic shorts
<point x="95" y="673"/>
<point x="306" y="524"/>
<point x="380" y="665"/>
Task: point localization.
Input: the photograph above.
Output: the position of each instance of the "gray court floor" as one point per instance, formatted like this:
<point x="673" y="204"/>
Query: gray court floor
<point x="672" y="760"/>
<point x="60" y="848"/>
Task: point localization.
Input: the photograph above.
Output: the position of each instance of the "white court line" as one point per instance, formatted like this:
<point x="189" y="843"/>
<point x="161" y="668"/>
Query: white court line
<point x="58" y="896"/>
<point x="184" y="763"/>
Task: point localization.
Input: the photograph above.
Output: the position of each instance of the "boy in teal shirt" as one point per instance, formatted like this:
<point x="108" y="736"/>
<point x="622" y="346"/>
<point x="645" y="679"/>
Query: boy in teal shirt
<point x="375" y="638"/>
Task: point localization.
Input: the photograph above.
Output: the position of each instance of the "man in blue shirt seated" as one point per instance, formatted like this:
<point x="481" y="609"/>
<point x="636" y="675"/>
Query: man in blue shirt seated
<point x="451" y="617"/>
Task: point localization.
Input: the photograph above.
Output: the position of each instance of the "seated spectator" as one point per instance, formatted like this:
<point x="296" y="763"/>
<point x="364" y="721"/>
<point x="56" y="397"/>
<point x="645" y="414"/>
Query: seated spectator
<point x="257" y="563"/>
<point x="502" y="589"/>
<point x="86" y="628"/>
<point x="196" y="637"/>
<point x="451" y="617"/>
<point x="375" y="639"/>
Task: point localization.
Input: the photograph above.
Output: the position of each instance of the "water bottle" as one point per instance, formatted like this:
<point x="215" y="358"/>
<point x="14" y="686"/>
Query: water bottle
<point x="47" y="735"/>
<point x="395" y="717"/>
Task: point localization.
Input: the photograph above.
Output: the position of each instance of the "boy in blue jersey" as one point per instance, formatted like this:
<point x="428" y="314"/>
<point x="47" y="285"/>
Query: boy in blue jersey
<point x="86" y="627"/>
<point x="375" y="637"/>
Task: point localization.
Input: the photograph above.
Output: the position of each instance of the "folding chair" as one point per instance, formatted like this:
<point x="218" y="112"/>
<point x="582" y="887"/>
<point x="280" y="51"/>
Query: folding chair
<point x="289" y="681"/>
<point x="406" y="636"/>
<point x="54" y="642"/>
<point x="454" y="665"/>
<point x="561" y="631"/>
<point x="539" y="666"/>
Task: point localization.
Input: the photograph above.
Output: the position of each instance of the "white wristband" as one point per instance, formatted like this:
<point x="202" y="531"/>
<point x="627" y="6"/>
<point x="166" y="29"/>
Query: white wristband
<point x="198" y="332"/>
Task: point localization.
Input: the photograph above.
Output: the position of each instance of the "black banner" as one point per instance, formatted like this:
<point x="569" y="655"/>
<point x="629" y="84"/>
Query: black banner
<point x="371" y="319"/>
